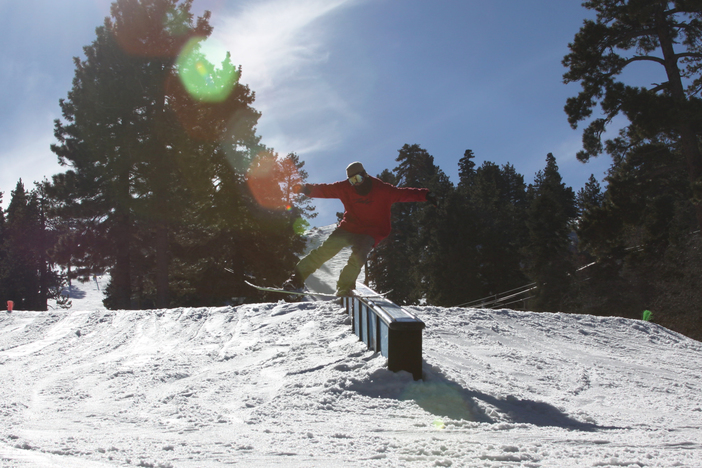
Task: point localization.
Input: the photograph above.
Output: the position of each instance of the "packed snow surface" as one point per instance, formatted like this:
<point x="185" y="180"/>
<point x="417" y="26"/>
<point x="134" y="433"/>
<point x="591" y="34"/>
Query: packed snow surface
<point x="289" y="384"/>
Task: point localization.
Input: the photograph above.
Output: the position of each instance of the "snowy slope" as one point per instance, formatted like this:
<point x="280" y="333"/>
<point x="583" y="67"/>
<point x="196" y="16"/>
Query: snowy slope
<point x="283" y="384"/>
<point x="85" y="296"/>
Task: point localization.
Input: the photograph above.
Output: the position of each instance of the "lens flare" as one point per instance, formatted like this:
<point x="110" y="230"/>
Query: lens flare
<point x="271" y="181"/>
<point x="202" y="80"/>
<point x="263" y="180"/>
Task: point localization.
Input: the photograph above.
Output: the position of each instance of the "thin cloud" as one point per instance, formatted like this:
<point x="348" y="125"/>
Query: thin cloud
<point x="276" y="40"/>
<point x="30" y="160"/>
<point x="281" y="46"/>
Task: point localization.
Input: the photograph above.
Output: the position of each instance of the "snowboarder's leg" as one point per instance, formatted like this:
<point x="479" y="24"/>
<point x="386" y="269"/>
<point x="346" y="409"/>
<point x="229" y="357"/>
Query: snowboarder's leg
<point x="315" y="259"/>
<point x="361" y="245"/>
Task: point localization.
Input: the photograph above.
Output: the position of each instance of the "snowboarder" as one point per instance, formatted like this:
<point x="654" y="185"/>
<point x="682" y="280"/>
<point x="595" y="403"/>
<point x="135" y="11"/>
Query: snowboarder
<point x="367" y="220"/>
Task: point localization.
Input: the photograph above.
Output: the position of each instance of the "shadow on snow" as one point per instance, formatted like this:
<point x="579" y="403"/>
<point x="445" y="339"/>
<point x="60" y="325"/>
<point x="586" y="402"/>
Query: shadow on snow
<point x="442" y="397"/>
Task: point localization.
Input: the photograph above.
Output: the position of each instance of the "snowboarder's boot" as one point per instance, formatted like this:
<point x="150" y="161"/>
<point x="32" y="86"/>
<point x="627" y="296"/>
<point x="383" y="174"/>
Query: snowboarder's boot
<point x="294" y="283"/>
<point x="342" y="293"/>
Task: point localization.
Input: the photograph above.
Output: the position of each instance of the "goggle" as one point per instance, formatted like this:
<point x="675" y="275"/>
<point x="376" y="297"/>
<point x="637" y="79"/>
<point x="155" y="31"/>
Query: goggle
<point x="356" y="179"/>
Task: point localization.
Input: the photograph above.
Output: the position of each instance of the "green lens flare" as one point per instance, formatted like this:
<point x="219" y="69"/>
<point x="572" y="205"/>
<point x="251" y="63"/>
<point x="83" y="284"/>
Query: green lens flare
<point x="200" y="77"/>
<point x="439" y="424"/>
<point x="300" y="226"/>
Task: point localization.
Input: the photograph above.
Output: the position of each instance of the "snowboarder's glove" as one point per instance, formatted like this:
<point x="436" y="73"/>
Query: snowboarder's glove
<point x="433" y="199"/>
<point x="304" y="189"/>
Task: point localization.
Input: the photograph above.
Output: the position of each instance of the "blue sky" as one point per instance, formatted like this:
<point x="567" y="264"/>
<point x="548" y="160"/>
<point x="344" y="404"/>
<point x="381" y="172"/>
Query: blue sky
<point x="337" y="81"/>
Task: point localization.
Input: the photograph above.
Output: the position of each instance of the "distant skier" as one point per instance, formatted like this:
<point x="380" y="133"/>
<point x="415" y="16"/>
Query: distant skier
<point x="367" y="220"/>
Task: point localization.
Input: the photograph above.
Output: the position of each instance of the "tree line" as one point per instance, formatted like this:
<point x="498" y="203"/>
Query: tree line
<point x="167" y="183"/>
<point x="629" y="247"/>
<point x="635" y="245"/>
<point x="27" y="273"/>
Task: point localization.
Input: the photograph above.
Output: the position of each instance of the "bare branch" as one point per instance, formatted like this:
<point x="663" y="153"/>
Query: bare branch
<point x="689" y="54"/>
<point x="659" y="87"/>
<point x="644" y="58"/>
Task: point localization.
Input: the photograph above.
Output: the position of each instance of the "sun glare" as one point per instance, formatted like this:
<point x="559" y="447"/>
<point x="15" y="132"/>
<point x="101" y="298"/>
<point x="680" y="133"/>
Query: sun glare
<point x="200" y="77"/>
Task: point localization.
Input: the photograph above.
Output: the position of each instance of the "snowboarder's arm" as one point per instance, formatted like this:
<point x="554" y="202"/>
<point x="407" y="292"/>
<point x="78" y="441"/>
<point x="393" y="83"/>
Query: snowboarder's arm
<point x="322" y="190"/>
<point x="408" y="194"/>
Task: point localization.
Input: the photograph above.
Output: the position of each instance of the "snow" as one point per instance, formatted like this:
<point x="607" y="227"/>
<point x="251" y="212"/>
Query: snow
<point x="289" y="384"/>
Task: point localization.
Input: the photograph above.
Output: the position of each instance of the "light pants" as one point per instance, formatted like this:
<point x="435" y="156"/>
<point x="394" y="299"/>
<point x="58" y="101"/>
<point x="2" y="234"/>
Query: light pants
<point x="361" y="245"/>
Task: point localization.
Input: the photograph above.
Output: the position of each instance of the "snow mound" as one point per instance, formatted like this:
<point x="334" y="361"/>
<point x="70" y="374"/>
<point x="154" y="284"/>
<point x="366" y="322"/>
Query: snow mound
<point x="288" y="384"/>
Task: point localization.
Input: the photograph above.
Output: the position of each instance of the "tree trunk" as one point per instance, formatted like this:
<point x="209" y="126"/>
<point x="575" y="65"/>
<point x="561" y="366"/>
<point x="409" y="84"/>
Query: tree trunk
<point x="43" y="261"/>
<point x="688" y="133"/>
<point x="160" y="183"/>
<point x="121" y="275"/>
<point x="688" y="141"/>
<point x="162" y="265"/>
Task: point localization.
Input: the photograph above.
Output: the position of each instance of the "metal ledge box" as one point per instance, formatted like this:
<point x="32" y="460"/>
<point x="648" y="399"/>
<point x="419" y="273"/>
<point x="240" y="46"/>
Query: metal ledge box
<point x="387" y="328"/>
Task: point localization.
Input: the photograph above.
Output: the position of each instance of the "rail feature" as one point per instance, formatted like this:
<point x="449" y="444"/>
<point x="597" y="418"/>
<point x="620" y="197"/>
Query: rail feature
<point x="388" y="329"/>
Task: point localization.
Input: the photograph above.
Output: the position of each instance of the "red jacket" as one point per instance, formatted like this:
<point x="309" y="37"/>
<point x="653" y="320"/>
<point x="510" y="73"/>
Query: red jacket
<point x="369" y="214"/>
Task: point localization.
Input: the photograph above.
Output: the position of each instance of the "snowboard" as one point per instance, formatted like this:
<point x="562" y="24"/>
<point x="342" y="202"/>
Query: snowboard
<point x="307" y="292"/>
<point x="294" y="293"/>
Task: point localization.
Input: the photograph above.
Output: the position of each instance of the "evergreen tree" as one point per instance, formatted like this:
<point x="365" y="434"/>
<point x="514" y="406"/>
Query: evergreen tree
<point x="488" y="228"/>
<point x="646" y="204"/>
<point x="633" y="232"/>
<point x="455" y="279"/>
<point x="28" y="279"/>
<point x="498" y="197"/>
<point x="155" y="135"/>
<point x="434" y="238"/>
<point x="451" y="259"/>
<point x="235" y="229"/>
<point x="22" y="278"/>
<point x="298" y="205"/>
<point x="590" y="196"/>
<point x="405" y="261"/>
<point x="589" y="199"/>
<point x="547" y="255"/>
<point x="3" y="259"/>
<point x="465" y="249"/>
<point x="389" y="263"/>
<point x="415" y="167"/>
<point x="466" y="169"/>
<point x="113" y="133"/>
<point x="660" y="32"/>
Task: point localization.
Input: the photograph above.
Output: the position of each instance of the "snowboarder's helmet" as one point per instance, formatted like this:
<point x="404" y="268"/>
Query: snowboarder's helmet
<point x="354" y="168"/>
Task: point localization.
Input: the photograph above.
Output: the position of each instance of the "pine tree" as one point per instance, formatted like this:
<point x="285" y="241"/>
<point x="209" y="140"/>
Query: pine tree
<point x="389" y="264"/>
<point x="28" y="279"/>
<point x="547" y="255"/>
<point x="299" y="206"/>
<point x="646" y="204"/>
<point x="590" y="196"/>
<point x="3" y="259"/>
<point x="145" y="137"/>
<point x="466" y="169"/>
<point x="662" y="33"/>
<point x="434" y="239"/>
<point x="455" y="278"/>
<point x="498" y="197"/>
<point x="22" y="278"/>
<point x="632" y="233"/>
<point x="404" y="262"/>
